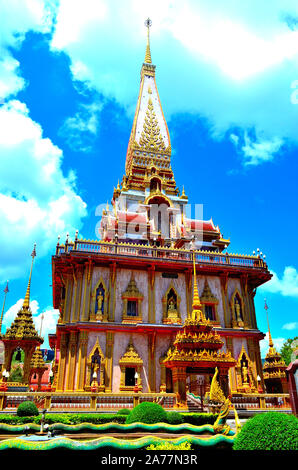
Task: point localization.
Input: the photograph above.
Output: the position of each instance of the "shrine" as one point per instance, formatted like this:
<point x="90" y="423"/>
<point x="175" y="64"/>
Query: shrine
<point x="130" y="295"/>
<point x="156" y="303"/>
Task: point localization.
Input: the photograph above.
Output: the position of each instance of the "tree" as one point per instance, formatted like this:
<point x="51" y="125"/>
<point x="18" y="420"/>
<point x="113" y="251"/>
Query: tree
<point x="287" y="351"/>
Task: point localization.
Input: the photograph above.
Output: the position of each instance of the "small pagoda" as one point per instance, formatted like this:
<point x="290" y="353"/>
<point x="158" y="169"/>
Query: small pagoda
<point x="196" y="350"/>
<point x="37" y="366"/>
<point x="22" y="333"/>
<point x="274" y="368"/>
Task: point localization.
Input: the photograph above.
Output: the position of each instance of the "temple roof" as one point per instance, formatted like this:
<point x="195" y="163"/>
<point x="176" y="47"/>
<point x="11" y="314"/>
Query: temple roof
<point x="22" y="328"/>
<point x="37" y="361"/>
<point x="149" y="131"/>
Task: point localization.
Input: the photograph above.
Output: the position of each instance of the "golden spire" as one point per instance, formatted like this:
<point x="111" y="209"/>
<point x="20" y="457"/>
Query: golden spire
<point x="27" y="296"/>
<point x="148" y="60"/>
<point x="5" y="293"/>
<point x="269" y="332"/>
<point x="197" y="313"/>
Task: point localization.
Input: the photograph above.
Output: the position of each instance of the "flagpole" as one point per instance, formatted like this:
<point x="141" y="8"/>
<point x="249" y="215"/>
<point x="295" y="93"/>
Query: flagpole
<point x="2" y="313"/>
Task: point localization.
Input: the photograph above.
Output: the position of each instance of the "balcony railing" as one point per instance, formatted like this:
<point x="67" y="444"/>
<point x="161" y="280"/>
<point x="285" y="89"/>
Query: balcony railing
<point x="152" y="252"/>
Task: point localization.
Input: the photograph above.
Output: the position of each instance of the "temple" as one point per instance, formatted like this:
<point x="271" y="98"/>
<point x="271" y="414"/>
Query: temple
<point x="127" y="302"/>
<point x="156" y="305"/>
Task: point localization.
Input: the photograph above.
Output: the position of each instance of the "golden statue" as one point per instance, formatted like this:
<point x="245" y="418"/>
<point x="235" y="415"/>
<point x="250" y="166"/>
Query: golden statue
<point x="245" y="375"/>
<point x="171" y="305"/>
<point x="238" y="311"/>
<point x="99" y="306"/>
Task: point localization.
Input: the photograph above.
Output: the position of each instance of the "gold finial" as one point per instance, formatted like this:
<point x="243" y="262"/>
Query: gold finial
<point x="2" y="313"/>
<point x="27" y="296"/>
<point x="41" y="322"/>
<point x="148" y="60"/>
<point x="196" y="303"/>
<point x="269" y="332"/>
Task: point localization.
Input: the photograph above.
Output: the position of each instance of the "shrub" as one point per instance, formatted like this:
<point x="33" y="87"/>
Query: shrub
<point x="174" y="418"/>
<point x="148" y="413"/>
<point x="199" y="419"/>
<point x="27" y="408"/>
<point x="123" y="412"/>
<point x="268" y="431"/>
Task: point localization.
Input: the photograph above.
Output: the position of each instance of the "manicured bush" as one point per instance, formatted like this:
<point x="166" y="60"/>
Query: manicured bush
<point x="199" y="419"/>
<point x="174" y="418"/>
<point x="268" y="431"/>
<point x="148" y="413"/>
<point x="27" y="408"/>
<point x="124" y="411"/>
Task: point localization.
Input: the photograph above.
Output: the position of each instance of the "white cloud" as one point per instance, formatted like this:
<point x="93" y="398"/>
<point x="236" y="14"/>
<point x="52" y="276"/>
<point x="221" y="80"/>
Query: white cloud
<point x="286" y="286"/>
<point x="221" y="61"/>
<point x="264" y="344"/>
<point x="256" y="151"/>
<point x="48" y="324"/>
<point x="290" y="326"/>
<point x="79" y="131"/>
<point x="19" y="17"/>
<point x="37" y="202"/>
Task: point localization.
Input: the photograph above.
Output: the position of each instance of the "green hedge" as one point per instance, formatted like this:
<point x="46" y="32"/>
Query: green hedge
<point x="148" y="413"/>
<point x="199" y="419"/>
<point x="124" y="411"/>
<point x="268" y="431"/>
<point x="173" y="417"/>
<point x="65" y="418"/>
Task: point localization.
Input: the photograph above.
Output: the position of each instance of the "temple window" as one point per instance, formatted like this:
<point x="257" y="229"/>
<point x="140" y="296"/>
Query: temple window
<point x="130" y="376"/>
<point x="209" y="303"/>
<point x="132" y="308"/>
<point x="132" y="303"/>
<point x="210" y="312"/>
<point x="130" y="363"/>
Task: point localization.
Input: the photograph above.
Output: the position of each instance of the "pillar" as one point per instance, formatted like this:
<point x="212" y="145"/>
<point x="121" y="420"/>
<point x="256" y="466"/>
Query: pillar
<point x="232" y="371"/>
<point x="112" y="289"/>
<point x="179" y="383"/>
<point x="68" y="299"/>
<point x="225" y="301"/>
<point x="151" y="362"/>
<point x="109" y="360"/>
<point x="62" y="362"/>
<point x="82" y="347"/>
<point x="72" y="349"/>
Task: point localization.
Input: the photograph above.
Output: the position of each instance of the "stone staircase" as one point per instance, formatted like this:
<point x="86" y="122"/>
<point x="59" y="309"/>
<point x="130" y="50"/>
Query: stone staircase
<point x="194" y="405"/>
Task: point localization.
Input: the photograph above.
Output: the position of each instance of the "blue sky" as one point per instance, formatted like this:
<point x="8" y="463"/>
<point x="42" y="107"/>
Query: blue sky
<point x="69" y="81"/>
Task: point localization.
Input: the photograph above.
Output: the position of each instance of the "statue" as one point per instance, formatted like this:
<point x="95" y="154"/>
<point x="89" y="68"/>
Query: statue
<point x="245" y="374"/>
<point x="238" y="311"/>
<point x="100" y="300"/>
<point x="171" y="305"/>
